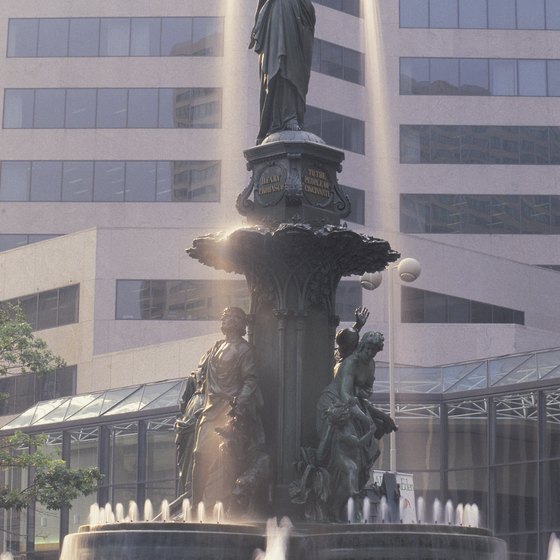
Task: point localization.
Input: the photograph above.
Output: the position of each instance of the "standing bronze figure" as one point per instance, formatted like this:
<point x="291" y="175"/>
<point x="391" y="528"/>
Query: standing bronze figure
<point x="220" y="439"/>
<point x="283" y="38"/>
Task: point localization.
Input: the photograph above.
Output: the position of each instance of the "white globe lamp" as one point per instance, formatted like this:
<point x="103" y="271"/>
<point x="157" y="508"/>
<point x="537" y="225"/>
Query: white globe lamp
<point x="409" y="270"/>
<point x="371" y="280"/>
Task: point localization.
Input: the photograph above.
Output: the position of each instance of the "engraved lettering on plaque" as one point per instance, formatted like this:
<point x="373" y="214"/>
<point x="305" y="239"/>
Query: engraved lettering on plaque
<point x="270" y="185"/>
<point x="317" y="186"/>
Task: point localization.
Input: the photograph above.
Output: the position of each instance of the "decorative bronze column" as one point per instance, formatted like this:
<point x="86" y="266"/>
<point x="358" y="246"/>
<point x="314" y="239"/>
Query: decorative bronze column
<point x="293" y="256"/>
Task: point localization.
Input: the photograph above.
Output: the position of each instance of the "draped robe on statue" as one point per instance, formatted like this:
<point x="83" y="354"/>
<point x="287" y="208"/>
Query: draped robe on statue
<point x="230" y="373"/>
<point x="283" y="38"/>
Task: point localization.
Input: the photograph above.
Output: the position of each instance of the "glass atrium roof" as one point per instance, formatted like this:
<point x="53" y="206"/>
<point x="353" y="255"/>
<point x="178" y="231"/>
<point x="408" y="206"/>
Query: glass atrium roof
<point x="447" y="379"/>
<point x="471" y="376"/>
<point x="150" y="396"/>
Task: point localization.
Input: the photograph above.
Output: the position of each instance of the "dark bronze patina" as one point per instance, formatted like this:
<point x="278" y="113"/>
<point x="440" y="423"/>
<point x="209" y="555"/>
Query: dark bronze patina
<point x="283" y="38"/>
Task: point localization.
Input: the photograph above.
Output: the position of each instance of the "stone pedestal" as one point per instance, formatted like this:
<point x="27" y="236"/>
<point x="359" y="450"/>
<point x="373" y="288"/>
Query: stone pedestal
<point x="294" y="180"/>
<point x="293" y="268"/>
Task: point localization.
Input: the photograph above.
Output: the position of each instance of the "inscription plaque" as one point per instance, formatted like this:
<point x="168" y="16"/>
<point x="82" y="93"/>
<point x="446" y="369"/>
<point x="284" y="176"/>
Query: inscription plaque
<point x="317" y="186"/>
<point x="270" y="186"/>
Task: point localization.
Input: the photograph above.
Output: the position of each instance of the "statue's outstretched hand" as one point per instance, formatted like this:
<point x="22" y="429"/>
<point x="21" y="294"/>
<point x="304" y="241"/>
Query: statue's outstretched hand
<point x="362" y="315"/>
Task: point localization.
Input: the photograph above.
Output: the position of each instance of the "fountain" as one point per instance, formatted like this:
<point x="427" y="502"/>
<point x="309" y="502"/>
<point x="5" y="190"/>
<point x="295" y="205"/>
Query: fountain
<point x="293" y="253"/>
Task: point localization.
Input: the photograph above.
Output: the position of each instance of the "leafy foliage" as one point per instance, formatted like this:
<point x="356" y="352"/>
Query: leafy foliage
<point x="55" y="484"/>
<point x="20" y="350"/>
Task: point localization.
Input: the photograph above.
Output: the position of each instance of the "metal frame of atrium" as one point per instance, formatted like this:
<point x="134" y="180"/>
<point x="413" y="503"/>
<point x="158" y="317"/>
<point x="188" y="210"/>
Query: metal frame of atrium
<point x="486" y="432"/>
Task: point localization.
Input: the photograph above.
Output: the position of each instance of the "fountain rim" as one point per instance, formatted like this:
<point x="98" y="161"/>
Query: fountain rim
<point x="301" y="529"/>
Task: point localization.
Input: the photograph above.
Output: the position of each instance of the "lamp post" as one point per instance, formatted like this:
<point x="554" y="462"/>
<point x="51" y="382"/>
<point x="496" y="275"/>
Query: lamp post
<point x="409" y="270"/>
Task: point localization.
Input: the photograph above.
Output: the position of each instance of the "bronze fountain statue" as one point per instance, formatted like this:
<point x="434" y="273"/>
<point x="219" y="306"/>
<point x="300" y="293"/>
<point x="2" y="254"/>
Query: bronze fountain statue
<point x="275" y="424"/>
<point x="283" y="38"/>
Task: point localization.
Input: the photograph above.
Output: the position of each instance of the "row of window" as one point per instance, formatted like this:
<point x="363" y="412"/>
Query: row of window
<point x="421" y="306"/>
<point x="20" y="392"/>
<point x="481" y="14"/>
<point x="351" y="7"/>
<point x="339" y="62"/>
<point x="152" y="108"/>
<point x="468" y="144"/>
<point x="113" y="108"/>
<point x="110" y="181"/>
<point x="182" y="36"/>
<point x="53" y="308"/>
<point x="203" y="300"/>
<point x="336" y="129"/>
<point x="471" y="213"/>
<point x="119" y="181"/>
<point x="123" y="36"/>
<point x="357" y="204"/>
<point x="479" y="76"/>
<point x="13" y="240"/>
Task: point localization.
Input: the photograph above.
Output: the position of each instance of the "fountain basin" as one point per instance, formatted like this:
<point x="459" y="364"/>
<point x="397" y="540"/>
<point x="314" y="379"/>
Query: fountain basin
<point x="205" y="541"/>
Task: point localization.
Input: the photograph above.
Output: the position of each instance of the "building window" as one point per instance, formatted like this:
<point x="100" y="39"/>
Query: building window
<point x="70" y="37"/>
<point x="421" y="306"/>
<point x="337" y="61"/>
<point x="480" y="14"/>
<point x="202" y="300"/>
<point x="351" y="7"/>
<point x="20" y="392"/>
<point x="113" y="108"/>
<point x="480" y="76"/>
<point x="480" y="214"/>
<point x="357" y="204"/>
<point x="55" y="308"/>
<point x="13" y="240"/>
<point x="466" y="144"/>
<point x="336" y="130"/>
<point x="107" y="181"/>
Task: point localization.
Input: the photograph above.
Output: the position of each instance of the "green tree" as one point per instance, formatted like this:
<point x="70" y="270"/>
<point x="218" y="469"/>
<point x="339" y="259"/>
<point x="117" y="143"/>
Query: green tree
<point x="20" y="350"/>
<point x="54" y="484"/>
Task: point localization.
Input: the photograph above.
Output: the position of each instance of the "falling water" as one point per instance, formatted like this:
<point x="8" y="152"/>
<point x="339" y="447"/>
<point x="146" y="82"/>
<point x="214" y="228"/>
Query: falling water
<point x="384" y="509"/>
<point x="119" y="513"/>
<point x="449" y="511"/>
<point x="165" y="515"/>
<point x="366" y="510"/>
<point x="436" y="512"/>
<point x="401" y="509"/>
<point x="350" y="510"/>
<point x="420" y="509"/>
<point x="277" y="538"/>
<point x="218" y="512"/>
<point x="553" y="547"/>
<point x="382" y="136"/>
<point x="148" y="510"/>
<point x="93" y="517"/>
<point x="467" y="521"/>
<point x="237" y="64"/>
<point x="459" y="515"/>
<point x="475" y="516"/>
<point x="109" y="515"/>
<point x="6" y="556"/>
<point x="201" y="512"/>
<point x="132" y="511"/>
<point x="186" y="513"/>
